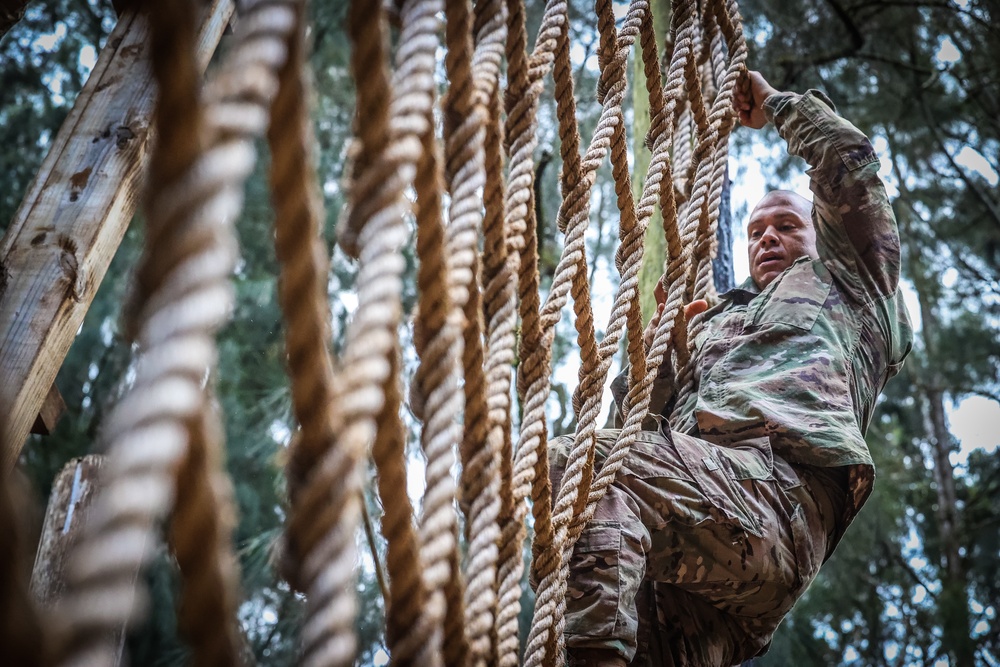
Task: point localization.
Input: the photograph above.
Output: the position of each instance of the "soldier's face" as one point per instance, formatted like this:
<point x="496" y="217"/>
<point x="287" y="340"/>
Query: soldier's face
<point x="779" y="232"/>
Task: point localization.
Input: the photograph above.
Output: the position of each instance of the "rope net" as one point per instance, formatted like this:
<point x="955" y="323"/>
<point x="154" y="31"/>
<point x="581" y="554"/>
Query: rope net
<point x="473" y="179"/>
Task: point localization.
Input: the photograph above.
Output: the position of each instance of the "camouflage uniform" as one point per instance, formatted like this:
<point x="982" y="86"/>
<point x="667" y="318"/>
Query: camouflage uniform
<point x="733" y="513"/>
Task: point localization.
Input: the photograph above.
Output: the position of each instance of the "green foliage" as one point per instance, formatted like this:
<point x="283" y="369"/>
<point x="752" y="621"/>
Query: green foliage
<point x="916" y="75"/>
<point x="878" y="601"/>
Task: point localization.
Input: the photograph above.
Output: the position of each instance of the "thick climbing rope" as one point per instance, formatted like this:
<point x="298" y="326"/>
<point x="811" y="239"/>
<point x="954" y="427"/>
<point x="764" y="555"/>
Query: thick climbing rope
<point x="577" y="180"/>
<point x="529" y="474"/>
<point x="165" y="453"/>
<point x="702" y="209"/>
<point x="550" y="601"/>
<point x="164" y="439"/>
<point x="473" y="68"/>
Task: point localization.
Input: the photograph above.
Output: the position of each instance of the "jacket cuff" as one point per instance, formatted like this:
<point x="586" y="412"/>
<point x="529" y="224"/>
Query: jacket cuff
<point x="776" y="105"/>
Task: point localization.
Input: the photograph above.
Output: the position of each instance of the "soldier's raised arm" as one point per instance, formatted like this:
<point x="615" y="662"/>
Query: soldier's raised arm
<point x="856" y="230"/>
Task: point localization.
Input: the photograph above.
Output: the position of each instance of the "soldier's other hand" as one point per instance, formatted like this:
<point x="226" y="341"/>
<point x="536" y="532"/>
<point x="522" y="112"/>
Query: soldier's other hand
<point x="751" y="91"/>
<point x="696" y="307"/>
<point x="650" y="332"/>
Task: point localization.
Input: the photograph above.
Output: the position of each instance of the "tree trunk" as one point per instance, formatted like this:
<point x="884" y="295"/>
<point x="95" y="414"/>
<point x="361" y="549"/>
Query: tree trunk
<point x="654" y="255"/>
<point x="722" y="263"/>
<point x="953" y="602"/>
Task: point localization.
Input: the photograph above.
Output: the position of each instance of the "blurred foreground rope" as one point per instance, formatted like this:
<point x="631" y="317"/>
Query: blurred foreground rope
<point x="164" y="439"/>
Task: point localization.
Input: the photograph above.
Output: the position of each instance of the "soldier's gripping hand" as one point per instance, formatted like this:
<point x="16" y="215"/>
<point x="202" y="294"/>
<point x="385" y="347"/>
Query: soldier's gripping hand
<point x="695" y="307"/>
<point x="748" y="99"/>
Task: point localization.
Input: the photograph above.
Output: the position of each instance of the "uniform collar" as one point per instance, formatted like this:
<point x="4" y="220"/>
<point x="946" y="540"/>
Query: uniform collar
<point x="742" y="294"/>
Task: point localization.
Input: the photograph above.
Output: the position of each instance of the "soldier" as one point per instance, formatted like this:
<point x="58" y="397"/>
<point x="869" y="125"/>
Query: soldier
<point x="732" y="513"/>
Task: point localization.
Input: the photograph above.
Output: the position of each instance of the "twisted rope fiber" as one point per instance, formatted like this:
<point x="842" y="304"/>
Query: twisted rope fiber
<point x="658" y="171"/>
<point x="201" y="531"/>
<point x="665" y="126"/>
<point x="659" y="347"/>
<point x="439" y="350"/>
<point x="550" y="602"/>
<point x="707" y="190"/>
<point x="713" y="69"/>
<point x="302" y="257"/>
<point x="321" y="543"/>
<point x="162" y="428"/>
<point x="499" y="312"/>
<point x="439" y="342"/>
<point x="545" y="558"/>
<point x="406" y="631"/>
<point x="302" y="291"/>
<point x="530" y="468"/>
<point x="722" y="16"/>
<point x="474" y="82"/>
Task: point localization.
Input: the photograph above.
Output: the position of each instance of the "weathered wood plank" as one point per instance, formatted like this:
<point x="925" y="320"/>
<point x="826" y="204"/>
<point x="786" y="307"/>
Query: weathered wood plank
<point x="72" y="492"/>
<point x="61" y="241"/>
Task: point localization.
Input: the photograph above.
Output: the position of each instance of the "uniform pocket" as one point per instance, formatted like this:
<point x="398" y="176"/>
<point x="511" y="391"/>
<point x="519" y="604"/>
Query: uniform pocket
<point x="796" y="298"/>
<point x="810" y="542"/>
<point x="594" y="594"/>
<point x="752" y="459"/>
<point x="712" y="474"/>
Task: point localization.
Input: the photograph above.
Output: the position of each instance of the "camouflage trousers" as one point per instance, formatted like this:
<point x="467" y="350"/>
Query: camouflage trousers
<point x="696" y="552"/>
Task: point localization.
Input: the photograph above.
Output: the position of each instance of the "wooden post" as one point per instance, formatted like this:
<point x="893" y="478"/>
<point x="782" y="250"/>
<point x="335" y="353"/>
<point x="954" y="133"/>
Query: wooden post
<point x="72" y="219"/>
<point x="52" y="409"/>
<point x="73" y="492"/>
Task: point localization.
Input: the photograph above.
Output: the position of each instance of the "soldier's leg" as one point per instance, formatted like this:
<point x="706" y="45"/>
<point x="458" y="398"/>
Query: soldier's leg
<point x="712" y="522"/>
<point x="606" y="569"/>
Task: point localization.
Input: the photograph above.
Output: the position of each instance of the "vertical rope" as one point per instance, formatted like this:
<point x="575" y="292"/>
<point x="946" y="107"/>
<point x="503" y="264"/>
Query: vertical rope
<point x="707" y="191"/>
<point x="473" y="77"/>
<point x="407" y="631"/>
<point x="550" y="601"/>
<point x="530" y="467"/>
<point x="201" y="531"/>
<point x="321" y="530"/>
<point x="162" y="427"/>
<point x="439" y="320"/>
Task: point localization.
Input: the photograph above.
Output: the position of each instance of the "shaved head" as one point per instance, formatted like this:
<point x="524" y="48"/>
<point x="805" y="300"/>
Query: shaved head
<point x="785" y="198"/>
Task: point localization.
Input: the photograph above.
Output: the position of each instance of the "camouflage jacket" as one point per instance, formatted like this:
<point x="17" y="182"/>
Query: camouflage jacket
<point x="802" y="362"/>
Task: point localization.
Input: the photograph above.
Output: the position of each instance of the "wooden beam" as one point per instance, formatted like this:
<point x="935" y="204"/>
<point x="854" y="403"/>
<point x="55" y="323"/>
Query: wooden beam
<point x="72" y="492"/>
<point x="52" y="409"/>
<point x="59" y="244"/>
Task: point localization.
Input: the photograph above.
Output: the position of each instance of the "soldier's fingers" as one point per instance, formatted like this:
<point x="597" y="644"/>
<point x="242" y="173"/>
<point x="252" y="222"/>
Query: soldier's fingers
<point x="696" y="307"/>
